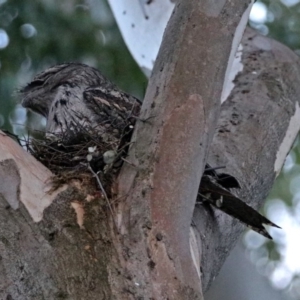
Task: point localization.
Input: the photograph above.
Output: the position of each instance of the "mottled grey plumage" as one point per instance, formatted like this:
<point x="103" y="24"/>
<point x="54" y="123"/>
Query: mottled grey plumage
<point x="73" y="95"/>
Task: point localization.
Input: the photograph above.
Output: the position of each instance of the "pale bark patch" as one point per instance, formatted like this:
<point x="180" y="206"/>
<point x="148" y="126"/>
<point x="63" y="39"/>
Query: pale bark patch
<point x="28" y="178"/>
<point x="195" y="251"/>
<point x="237" y="67"/>
<point x="79" y="212"/>
<point x="234" y="47"/>
<point x="288" y="140"/>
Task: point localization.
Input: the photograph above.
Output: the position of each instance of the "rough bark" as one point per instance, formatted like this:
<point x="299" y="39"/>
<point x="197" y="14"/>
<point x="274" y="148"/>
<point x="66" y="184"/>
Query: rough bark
<point x="170" y="148"/>
<point x="75" y="251"/>
<point x="257" y="126"/>
<point x="56" y="258"/>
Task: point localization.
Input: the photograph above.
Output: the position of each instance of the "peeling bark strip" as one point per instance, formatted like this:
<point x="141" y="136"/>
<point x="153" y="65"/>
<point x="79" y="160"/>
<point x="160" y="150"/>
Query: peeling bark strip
<point x="23" y="179"/>
<point x="143" y="22"/>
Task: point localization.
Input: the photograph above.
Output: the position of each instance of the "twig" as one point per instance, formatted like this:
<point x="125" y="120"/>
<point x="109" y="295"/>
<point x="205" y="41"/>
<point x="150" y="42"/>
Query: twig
<point x="214" y="168"/>
<point x="103" y="192"/>
<point x="130" y="163"/>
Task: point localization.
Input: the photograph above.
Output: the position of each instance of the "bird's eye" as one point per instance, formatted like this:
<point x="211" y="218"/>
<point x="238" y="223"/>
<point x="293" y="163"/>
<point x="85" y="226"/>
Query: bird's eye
<point x="69" y="84"/>
<point x="31" y="85"/>
<point x="64" y="84"/>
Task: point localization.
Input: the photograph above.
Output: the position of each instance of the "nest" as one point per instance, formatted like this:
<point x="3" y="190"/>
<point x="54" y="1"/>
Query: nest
<point x="82" y="153"/>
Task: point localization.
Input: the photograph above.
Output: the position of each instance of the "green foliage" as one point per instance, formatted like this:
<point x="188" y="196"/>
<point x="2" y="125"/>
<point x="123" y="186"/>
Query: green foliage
<point x="284" y="23"/>
<point x="43" y="33"/>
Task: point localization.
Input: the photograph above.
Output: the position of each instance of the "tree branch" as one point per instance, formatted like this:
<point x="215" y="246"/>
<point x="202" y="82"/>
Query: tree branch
<point x="170" y="149"/>
<point x="257" y="126"/>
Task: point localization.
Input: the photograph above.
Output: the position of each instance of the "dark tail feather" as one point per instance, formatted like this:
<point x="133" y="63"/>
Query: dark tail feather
<point x="224" y="200"/>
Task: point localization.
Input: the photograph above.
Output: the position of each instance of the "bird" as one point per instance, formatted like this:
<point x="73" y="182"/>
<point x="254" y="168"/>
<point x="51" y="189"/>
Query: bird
<point x="74" y="97"/>
<point x="79" y="104"/>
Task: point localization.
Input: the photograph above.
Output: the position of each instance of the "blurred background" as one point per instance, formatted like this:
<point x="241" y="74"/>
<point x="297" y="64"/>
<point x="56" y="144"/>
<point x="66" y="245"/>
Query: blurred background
<point x="37" y="34"/>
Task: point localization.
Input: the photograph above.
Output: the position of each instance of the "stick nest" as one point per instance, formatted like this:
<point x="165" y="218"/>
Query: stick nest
<point x="73" y="154"/>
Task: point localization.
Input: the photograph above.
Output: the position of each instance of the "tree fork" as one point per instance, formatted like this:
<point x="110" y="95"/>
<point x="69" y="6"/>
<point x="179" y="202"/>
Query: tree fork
<point x="73" y="249"/>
